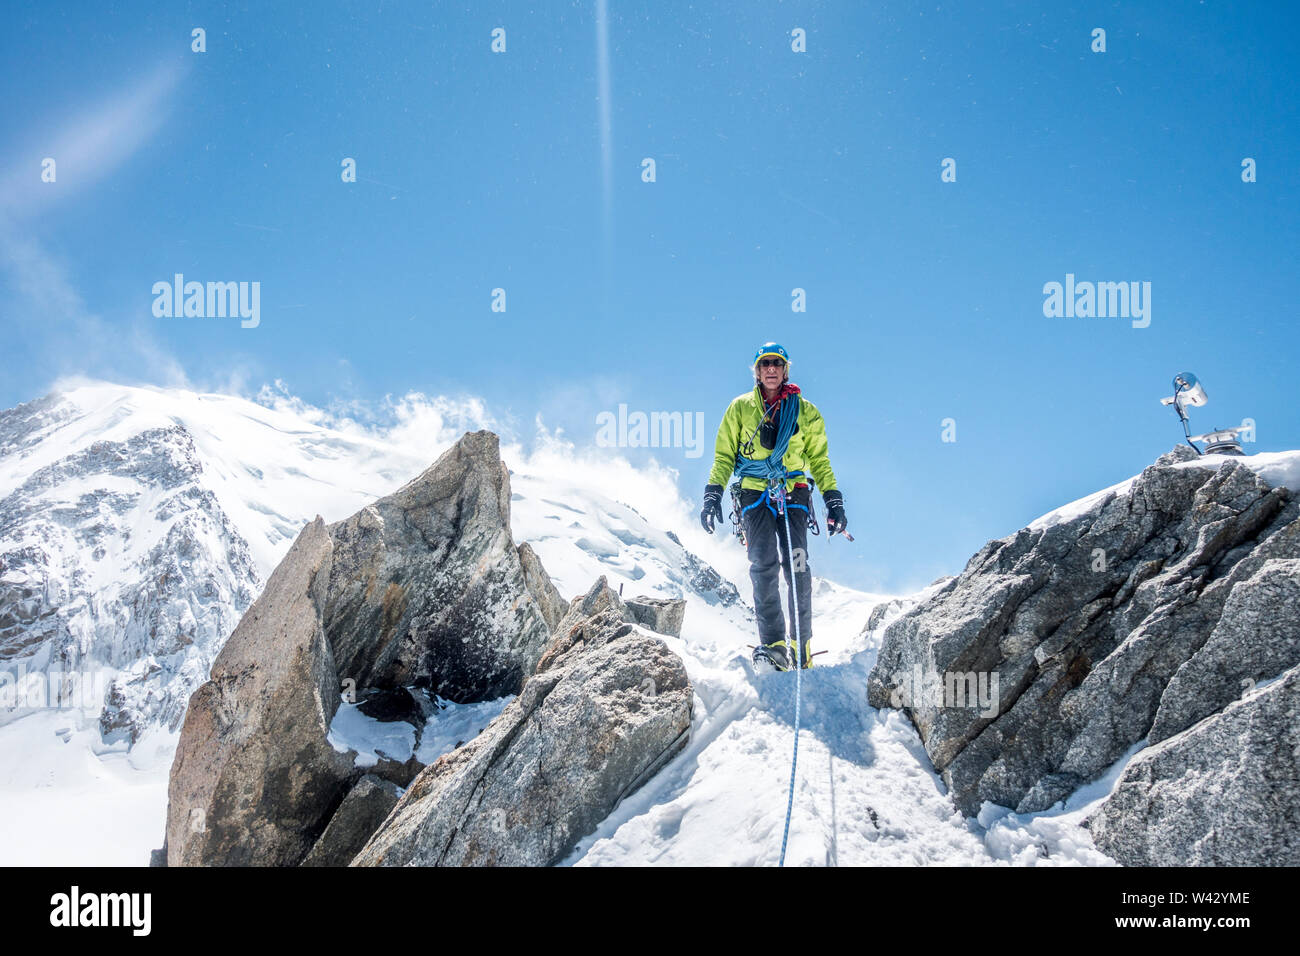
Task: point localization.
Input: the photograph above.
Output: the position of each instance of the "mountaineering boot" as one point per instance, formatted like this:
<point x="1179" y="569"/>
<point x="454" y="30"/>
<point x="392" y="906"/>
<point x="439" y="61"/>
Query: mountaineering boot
<point x="807" y="653"/>
<point x="774" y="655"/>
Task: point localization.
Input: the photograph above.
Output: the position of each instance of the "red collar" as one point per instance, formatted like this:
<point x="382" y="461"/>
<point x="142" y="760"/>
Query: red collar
<point x="787" y="388"/>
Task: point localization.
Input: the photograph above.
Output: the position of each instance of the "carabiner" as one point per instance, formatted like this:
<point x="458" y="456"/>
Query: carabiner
<point x="776" y="494"/>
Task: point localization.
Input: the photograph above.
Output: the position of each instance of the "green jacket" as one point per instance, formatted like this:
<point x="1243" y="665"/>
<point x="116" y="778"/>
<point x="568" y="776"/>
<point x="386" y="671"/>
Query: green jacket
<point x="807" y="451"/>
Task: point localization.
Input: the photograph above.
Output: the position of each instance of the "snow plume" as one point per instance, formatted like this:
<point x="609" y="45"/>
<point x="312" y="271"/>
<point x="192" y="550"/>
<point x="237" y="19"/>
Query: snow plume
<point x="420" y="427"/>
<point x="413" y="423"/>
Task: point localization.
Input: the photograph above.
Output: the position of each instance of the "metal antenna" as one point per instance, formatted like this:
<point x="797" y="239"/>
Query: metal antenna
<point x="1188" y="392"/>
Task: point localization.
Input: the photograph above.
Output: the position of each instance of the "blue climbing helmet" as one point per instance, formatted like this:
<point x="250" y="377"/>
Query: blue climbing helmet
<point x="770" y="348"/>
<point x="781" y="428"/>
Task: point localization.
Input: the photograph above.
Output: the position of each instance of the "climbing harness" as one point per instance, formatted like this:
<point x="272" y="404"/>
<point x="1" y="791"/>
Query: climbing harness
<point x="738" y="512"/>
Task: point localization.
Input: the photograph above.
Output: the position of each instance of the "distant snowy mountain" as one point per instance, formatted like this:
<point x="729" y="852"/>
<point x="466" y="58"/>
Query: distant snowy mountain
<point x="136" y="527"/>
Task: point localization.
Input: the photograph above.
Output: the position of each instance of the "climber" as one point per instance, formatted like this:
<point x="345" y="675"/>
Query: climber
<point x="775" y="439"/>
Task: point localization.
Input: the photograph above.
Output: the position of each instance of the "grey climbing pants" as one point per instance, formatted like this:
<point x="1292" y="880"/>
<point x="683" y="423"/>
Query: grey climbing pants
<point x="769" y="559"/>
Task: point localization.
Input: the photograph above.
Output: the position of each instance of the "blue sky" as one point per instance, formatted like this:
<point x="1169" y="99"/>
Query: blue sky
<point x="776" y="170"/>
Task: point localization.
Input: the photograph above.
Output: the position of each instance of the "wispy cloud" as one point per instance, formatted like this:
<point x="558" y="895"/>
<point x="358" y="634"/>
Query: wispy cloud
<point x="64" y="333"/>
<point x="90" y="144"/>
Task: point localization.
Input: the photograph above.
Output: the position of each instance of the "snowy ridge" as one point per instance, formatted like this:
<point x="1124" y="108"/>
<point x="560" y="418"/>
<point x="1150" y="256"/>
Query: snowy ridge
<point x="1280" y="469"/>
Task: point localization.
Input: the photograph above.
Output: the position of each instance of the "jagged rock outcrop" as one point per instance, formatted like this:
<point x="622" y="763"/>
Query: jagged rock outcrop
<point x="427" y="588"/>
<point x="586" y="611"/>
<point x="1132" y="619"/>
<point x="883" y="611"/>
<point x="357" y="818"/>
<point x="424" y="588"/>
<point x="1221" y="793"/>
<point x="1256" y="638"/>
<point x="552" y="606"/>
<point x="254" y="780"/>
<point x="661" y="615"/>
<point x="608" y="706"/>
<point x="888" y="611"/>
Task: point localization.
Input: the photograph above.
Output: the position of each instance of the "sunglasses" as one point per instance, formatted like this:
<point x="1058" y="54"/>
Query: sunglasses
<point x="771" y="363"/>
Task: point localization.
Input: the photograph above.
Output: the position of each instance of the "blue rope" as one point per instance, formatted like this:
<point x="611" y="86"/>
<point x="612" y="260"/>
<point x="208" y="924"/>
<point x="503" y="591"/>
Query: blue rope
<point x="772" y="467"/>
<point x="798" y="671"/>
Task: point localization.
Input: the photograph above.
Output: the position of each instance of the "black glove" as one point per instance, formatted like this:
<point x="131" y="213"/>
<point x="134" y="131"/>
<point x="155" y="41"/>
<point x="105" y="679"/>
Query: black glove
<point x="835" y="518"/>
<point x="712" y="507"/>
